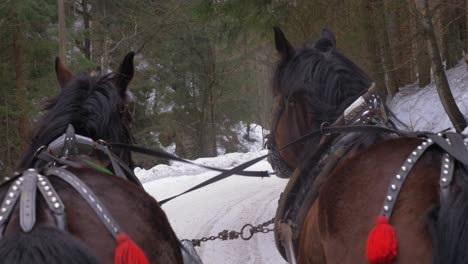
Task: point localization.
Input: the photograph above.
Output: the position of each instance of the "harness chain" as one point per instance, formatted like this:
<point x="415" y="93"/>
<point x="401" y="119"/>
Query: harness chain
<point x="246" y="233"/>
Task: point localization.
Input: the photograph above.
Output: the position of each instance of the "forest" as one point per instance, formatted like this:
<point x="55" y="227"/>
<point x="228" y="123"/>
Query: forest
<point x="203" y="67"/>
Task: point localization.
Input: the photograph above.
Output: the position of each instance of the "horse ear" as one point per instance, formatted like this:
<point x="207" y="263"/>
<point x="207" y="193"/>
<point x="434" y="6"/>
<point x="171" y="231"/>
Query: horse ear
<point x="327" y="41"/>
<point x="64" y="75"/>
<point x="284" y="48"/>
<point x="125" y="72"/>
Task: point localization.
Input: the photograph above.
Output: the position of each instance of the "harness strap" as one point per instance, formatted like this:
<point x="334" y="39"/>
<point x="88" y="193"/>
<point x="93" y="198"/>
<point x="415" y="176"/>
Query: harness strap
<point x="9" y="202"/>
<point x="53" y="201"/>
<point x="456" y="148"/>
<point x="221" y="176"/>
<point x="164" y="155"/>
<point x="28" y="200"/>
<point x="446" y="176"/>
<point x="25" y="187"/>
<point x="89" y="196"/>
<point x="396" y="182"/>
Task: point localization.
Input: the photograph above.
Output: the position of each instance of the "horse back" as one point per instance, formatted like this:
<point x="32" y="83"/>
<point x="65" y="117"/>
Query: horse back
<point x="137" y="213"/>
<point x="353" y="195"/>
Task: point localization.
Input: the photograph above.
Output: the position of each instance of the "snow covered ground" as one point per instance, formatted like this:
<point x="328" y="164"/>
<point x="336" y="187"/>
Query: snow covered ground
<point x="421" y="109"/>
<point x="233" y="202"/>
<point x="228" y="204"/>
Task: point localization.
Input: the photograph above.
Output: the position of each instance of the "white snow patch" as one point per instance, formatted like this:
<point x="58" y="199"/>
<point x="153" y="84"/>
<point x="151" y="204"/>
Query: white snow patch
<point x="421" y="108"/>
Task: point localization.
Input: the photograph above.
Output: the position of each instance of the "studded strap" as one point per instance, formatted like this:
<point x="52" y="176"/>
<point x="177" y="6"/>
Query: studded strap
<point x="28" y="200"/>
<point x="397" y="182"/>
<point x="9" y="203"/>
<point x="89" y="196"/>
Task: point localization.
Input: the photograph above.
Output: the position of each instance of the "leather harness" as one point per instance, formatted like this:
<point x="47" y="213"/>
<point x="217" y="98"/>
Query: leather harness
<point x="23" y="186"/>
<point x="304" y="185"/>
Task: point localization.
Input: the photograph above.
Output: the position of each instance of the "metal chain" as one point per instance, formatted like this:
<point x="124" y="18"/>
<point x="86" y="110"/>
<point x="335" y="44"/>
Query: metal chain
<point x="246" y="233"/>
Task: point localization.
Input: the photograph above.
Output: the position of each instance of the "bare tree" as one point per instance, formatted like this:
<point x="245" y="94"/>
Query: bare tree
<point x="456" y="117"/>
<point x="62" y="31"/>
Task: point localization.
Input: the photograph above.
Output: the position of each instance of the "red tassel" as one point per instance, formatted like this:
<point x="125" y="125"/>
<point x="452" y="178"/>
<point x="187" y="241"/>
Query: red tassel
<point x="127" y="252"/>
<point x="381" y="243"/>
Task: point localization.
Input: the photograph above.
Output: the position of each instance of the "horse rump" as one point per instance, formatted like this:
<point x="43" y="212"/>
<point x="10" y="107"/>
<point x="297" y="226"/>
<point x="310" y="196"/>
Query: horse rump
<point x="44" y="245"/>
<point x="448" y="222"/>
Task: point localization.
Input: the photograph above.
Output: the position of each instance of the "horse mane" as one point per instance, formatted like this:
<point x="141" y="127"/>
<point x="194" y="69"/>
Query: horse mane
<point x="95" y="108"/>
<point x="329" y="81"/>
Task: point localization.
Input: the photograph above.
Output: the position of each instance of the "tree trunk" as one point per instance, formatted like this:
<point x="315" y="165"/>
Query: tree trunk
<point x="451" y="34"/>
<point x="62" y="31"/>
<point x="21" y="95"/>
<point x="422" y="56"/>
<point x="369" y="17"/>
<point x="456" y="117"/>
<point x="86" y="20"/>
<point x="395" y="13"/>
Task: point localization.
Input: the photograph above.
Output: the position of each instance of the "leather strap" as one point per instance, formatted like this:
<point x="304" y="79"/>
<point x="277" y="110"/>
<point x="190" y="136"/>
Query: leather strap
<point x="221" y="176"/>
<point x="53" y="201"/>
<point x="164" y="155"/>
<point x="9" y="202"/>
<point x="89" y="196"/>
<point x="397" y="182"/>
<point x="28" y="200"/>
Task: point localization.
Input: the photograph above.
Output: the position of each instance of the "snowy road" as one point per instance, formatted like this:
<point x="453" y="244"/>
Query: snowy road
<point x="228" y="204"/>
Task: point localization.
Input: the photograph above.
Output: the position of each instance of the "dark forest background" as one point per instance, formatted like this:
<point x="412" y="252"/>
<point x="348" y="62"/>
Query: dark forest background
<point x="203" y="66"/>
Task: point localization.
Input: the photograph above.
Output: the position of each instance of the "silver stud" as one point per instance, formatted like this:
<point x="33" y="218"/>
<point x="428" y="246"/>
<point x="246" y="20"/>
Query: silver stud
<point x="49" y="193"/>
<point x="7" y="201"/>
<point x="115" y="229"/>
<point x="14" y="188"/>
<point x="46" y="188"/>
<point x="3" y="209"/>
<point x="439" y="134"/>
<point x="403" y="168"/>
<point x="1" y="218"/>
<point x="429" y="140"/>
<point x="53" y="199"/>
<point x="415" y="153"/>
<point x="424" y="143"/>
<point x="91" y="198"/>
<point x="389" y="198"/>
<point x="409" y="160"/>
<point x="386" y="208"/>
<point x="31" y="170"/>
<point x="11" y="195"/>
<point x="398" y="176"/>
<point x="99" y="207"/>
<point x="446" y="166"/>
<point x="445" y="171"/>
<point x="17" y="182"/>
<point x="7" y="178"/>
<point x="56" y="205"/>
<point x="84" y="190"/>
<point x="21" y="179"/>
<point x="447" y="160"/>
<point x="419" y="147"/>
<point x="393" y="186"/>
<point x="43" y="183"/>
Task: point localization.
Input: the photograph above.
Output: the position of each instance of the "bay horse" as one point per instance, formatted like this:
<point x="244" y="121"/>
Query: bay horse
<point x="83" y="213"/>
<point x="414" y="184"/>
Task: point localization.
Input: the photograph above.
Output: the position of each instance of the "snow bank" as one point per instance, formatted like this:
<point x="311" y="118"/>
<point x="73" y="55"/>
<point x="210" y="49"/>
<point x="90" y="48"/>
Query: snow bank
<point x="421" y="108"/>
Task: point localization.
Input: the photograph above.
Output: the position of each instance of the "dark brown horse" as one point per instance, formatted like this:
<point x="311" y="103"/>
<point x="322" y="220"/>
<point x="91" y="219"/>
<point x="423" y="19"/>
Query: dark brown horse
<point x="97" y="107"/>
<point x="313" y="88"/>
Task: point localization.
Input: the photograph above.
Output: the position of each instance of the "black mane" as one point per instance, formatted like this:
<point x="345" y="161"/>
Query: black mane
<point x="329" y="81"/>
<point x="95" y="108"/>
